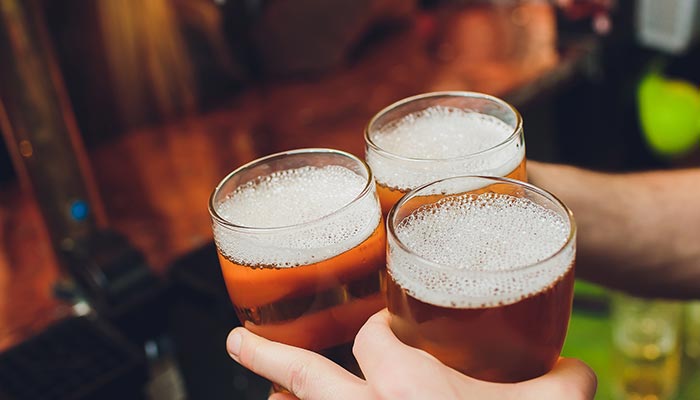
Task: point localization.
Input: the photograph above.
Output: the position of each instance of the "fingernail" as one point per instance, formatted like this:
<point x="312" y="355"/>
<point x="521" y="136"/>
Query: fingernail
<point x="233" y="344"/>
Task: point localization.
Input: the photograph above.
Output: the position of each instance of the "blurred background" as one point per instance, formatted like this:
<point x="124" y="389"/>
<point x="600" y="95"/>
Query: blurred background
<point x="121" y="116"/>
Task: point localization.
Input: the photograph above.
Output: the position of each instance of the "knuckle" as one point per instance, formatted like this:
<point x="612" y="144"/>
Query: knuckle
<point x="251" y="354"/>
<point x="248" y="354"/>
<point x="297" y="378"/>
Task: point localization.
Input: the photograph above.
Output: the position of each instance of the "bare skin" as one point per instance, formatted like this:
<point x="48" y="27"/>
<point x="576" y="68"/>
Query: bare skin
<point x="637" y="232"/>
<point x="393" y="370"/>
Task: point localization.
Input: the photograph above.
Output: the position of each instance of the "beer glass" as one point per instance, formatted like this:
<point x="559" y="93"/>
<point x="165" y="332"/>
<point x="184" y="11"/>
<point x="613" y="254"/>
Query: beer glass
<point x="480" y="274"/>
<point x="438" y="135"/>
<point x="302" y="246"/>
<point x="646" y="335"/>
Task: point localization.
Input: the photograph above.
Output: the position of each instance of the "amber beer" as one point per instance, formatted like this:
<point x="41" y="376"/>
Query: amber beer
<point x="481" y="274"/>
<point x="302" y="246"/>
<point x="437" y="135"/>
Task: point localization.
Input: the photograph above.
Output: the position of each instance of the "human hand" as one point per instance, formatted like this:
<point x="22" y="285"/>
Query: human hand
<point x="393" y="370"/>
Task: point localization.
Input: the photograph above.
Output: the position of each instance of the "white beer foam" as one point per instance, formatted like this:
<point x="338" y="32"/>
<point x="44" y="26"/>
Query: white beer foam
<point x="480" y="243"/>
<point x="308" y="197"/>
<point x="446" y="134"/>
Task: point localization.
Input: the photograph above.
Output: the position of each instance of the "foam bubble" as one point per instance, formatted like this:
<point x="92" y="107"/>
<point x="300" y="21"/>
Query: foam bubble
<point x="446" y="134"/>
<point x="479" y="242"/>
<point x="304" y="200"/>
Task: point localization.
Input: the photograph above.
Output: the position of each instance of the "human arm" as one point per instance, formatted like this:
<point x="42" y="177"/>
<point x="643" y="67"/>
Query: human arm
<point x="393" y="370"/>
<point x="638" y="232"/>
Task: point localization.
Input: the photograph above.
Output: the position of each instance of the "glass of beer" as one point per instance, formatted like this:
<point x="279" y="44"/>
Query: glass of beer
<point x="437" y="135"/>
<point x="647" y="353"/>
<point x="302" y="247"/>
<point x="481" y="274"/>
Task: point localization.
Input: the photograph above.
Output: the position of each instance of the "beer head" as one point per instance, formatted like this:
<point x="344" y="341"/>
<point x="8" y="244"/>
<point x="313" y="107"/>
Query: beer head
<point x="474" y="242"/>
<point x="294" y="208"/>
<point x="437" y="135"/>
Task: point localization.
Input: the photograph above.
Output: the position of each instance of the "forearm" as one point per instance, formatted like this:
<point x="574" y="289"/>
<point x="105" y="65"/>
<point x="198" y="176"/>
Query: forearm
<point x="636" y="232"/>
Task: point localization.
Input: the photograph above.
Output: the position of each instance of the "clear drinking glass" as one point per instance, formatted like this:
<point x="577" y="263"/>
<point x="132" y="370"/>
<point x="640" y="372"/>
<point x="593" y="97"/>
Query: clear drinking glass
<point x="437" y="135"/>
<point x="692" y="330"/>
<point x="647" y="355"/>
<point x="301" y="244"/>
<point x="481" y="274"/>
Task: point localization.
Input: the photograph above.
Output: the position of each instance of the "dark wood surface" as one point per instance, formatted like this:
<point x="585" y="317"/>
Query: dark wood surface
<point x="155" y="182"/>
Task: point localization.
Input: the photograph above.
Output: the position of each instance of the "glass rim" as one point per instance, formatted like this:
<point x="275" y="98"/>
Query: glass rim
<point x="369" y="185"/>
<point x="517" y="130"/>
<point x="391" y="233"/>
